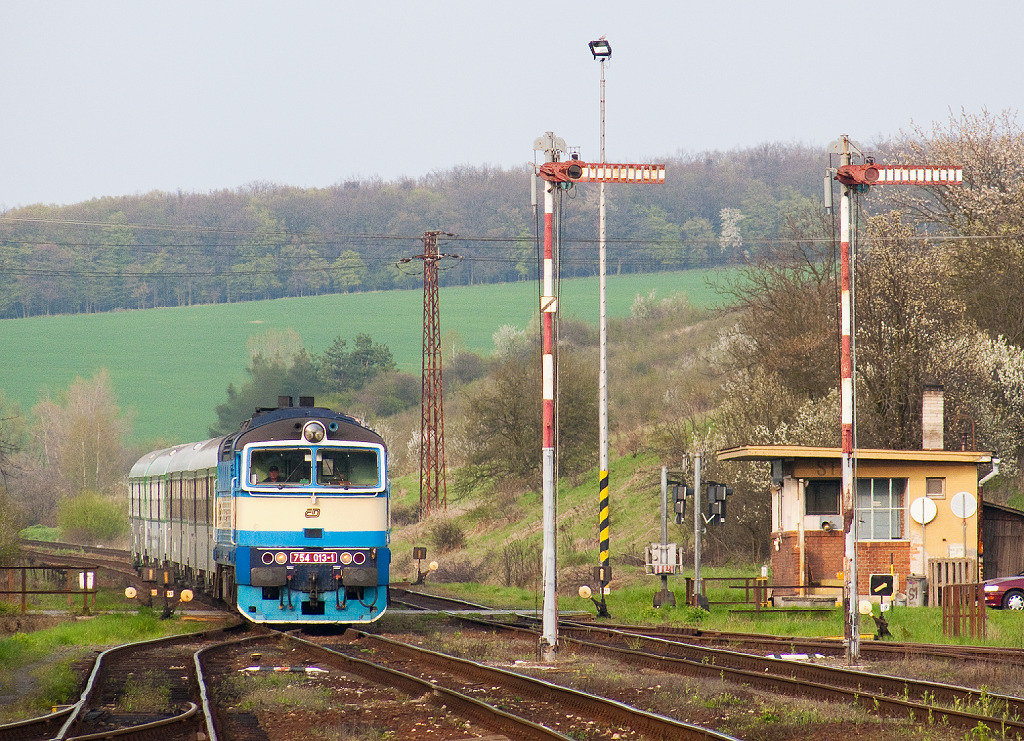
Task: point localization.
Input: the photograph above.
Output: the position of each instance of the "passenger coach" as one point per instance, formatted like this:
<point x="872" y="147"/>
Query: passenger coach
<point x="287" y="519"/>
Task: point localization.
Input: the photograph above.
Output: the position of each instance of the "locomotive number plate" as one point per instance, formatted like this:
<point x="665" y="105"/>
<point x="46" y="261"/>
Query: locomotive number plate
<point x="313" y="557"/>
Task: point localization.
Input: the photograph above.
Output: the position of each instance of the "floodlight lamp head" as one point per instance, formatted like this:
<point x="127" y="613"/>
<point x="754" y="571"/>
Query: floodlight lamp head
<point x="601" y="49"/>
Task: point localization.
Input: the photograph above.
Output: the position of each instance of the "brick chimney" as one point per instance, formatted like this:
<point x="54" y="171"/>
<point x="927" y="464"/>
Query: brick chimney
<point x="931" y="417"/>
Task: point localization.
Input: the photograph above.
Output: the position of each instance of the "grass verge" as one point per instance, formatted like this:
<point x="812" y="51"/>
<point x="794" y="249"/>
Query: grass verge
<point x="634" y="605"/>
<point x="42" y="669"/>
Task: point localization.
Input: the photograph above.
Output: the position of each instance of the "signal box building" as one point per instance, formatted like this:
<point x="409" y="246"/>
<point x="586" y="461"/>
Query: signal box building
<point x="918" y="515"/>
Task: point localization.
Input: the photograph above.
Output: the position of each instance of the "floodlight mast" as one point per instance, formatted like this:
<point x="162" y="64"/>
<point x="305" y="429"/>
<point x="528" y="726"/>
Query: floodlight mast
<point x="602" y="52"/>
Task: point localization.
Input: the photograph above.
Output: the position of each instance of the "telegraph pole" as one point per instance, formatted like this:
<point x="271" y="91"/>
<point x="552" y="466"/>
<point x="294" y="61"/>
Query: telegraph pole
<point x="858" y="178"/>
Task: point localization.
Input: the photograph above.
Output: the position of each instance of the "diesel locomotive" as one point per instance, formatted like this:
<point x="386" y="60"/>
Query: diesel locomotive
<point x="287" y="520"/>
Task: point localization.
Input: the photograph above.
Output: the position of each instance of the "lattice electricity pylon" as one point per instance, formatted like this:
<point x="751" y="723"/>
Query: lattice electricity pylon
<point x="433" y="485"/>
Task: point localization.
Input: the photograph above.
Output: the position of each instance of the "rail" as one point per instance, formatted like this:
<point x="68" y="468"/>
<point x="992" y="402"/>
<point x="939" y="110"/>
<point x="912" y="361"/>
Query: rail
<point x="756" y="590"/>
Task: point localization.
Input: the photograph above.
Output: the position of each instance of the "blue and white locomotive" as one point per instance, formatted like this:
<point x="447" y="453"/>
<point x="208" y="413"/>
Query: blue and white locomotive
<point x="287" y="519"/>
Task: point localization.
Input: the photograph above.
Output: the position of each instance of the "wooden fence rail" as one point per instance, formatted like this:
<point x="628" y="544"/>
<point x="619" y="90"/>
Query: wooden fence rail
<point x="86" y="578"/>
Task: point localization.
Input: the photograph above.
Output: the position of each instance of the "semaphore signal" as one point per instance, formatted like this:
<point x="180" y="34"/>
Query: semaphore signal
<point x="872" y="174"/>
<point x="575" y="171"/>
<point x="557" y="175"/>
<point x="859" y="178"/>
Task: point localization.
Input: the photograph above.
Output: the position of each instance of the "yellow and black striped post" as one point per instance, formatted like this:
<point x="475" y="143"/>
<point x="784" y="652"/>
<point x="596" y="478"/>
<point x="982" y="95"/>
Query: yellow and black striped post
<point x="604" y="567"/>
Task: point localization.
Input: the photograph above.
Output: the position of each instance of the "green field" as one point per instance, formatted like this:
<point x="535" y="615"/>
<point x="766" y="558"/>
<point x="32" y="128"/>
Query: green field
<point x="171" y="367"/>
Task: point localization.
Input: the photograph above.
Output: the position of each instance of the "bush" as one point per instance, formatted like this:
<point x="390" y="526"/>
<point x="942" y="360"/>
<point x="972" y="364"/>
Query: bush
<point x="456" y="571"/>
<point x="447" y="535"/>
<point x="519" y="564"/>
<point x="389" y="393"/>
<point x="92" y="518"/>
<point x="404" y="514"/>
<point x="464" y="368"/>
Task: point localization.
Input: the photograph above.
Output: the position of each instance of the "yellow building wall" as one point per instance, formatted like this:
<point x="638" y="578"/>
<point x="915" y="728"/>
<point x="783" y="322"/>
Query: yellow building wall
<point x="946" y="536"/>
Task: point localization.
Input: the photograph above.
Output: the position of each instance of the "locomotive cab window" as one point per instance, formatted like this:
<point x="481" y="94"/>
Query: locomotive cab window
<point x="356" y="467"/>
<point x="280" y="467"/>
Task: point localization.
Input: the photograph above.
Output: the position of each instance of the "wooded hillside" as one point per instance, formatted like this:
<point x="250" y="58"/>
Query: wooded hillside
<point x="266" y="241"/>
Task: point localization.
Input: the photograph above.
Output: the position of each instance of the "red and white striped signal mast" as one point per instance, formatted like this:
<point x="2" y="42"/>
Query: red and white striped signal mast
<point x="858" y="178"/>
<point x="563" y="175"/>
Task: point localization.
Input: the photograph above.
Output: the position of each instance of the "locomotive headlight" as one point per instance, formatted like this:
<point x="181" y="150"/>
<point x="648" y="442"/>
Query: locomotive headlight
<point x="346" y="558"/>
<point x="314" y="432"/>
<point x="281" y="557"/>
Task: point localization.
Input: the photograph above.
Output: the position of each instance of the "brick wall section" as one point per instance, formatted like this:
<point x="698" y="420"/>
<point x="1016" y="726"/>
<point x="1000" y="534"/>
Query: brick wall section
<point x="873" y="558"/>
<point x="824" y="559"/>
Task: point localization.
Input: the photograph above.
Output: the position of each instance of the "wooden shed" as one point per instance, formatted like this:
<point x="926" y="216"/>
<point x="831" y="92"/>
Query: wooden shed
<point x="1002" y="537"/>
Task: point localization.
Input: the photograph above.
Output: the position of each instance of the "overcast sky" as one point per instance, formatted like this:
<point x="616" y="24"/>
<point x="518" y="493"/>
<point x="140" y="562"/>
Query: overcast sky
<point x="113" y="98"/>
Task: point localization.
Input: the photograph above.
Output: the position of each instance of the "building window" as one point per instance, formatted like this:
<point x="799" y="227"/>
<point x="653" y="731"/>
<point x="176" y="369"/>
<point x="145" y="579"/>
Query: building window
<point x="821" y="497"/>
<point x="880" y="508"/>
<point x="935" y="488"/>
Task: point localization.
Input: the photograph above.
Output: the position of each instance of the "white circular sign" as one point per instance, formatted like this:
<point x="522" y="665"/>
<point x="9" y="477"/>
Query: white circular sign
<point x="963" y="504"/>
<point x="923" y="510"/>
<point x="865" y="607"/>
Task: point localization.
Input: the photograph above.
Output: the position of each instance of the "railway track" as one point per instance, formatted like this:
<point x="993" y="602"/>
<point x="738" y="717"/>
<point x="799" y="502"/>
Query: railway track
<point x="102" y="710"/>
<point x="108" y="554"/>
<point x="869" y="650"/>
<point x="134" y="691"/>
<point x="561" y="712"/>
<point x="400" y="596"/>
<point x="923" y="701"/>
<point x="204" y="685"/>
<point x="61" y="555"/>
<point x="760" y="643"/>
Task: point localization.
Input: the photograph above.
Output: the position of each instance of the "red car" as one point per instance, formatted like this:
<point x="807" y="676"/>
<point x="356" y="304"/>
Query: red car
<point x="1005" y="591"/>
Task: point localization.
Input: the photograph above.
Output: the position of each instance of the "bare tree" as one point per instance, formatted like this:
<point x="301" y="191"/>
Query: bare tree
<point x="80" y="437"/>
